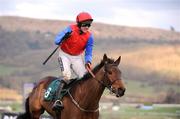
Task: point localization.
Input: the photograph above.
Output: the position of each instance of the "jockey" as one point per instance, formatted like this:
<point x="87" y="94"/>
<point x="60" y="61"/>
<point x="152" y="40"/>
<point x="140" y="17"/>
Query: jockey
<point x="73" y="41"/>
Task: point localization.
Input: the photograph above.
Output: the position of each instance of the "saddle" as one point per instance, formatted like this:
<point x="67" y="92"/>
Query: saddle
<point x="50" y="93"/>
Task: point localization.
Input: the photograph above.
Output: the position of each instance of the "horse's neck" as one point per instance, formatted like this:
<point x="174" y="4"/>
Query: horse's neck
<point x="90" y="91"/>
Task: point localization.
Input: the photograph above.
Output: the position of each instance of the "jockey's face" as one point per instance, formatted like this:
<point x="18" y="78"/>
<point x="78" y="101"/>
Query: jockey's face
<point x="85" y="27"/>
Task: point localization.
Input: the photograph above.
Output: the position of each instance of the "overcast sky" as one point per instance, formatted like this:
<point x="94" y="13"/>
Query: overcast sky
<point x="141" y="13"/>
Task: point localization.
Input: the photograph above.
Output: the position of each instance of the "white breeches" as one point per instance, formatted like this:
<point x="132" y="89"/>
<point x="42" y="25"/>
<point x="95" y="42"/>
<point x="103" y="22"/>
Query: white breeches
<point x="74" y="62"/>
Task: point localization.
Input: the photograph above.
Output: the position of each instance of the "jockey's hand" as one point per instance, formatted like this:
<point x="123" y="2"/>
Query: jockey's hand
<point x="88" y="65"/>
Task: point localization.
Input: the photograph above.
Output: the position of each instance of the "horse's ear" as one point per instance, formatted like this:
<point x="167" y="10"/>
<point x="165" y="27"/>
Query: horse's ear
<point x="105" y="57"/>
<point x="118" y="60"/>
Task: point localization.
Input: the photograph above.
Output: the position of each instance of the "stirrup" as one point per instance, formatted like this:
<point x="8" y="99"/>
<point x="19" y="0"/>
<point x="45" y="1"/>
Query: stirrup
<point x="58" y="105"/>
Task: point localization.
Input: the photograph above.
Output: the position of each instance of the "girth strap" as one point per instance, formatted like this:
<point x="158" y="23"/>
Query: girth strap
<point x="77" y="105"/>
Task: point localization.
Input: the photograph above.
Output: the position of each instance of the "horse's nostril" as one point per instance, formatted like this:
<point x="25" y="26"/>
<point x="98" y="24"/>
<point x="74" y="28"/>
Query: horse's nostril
<point x="121" y="91"/>
<point x="124" y="89"/>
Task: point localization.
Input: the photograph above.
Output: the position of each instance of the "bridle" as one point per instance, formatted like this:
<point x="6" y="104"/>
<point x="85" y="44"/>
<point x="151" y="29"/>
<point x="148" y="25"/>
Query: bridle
<point x="108" y="86"/>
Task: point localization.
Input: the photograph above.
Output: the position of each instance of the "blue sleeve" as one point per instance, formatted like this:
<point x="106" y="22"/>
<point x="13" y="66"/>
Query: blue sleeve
<point x="61" y="34"/>
<point x="88" y="49"/>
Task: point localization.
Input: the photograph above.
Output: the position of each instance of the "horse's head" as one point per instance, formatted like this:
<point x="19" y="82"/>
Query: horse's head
<point x="112" y="75"/>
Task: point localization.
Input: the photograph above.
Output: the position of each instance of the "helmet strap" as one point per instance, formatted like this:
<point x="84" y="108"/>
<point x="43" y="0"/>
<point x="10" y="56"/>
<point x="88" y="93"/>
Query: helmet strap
<point x="80" y="32"/>
<point x="79" y="26"/>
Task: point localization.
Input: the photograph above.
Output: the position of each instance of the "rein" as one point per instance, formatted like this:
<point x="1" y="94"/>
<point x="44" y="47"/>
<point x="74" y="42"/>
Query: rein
<point x="99" y="81"/>
<point x="76" y="103"/>
<point x="89" y="70"/>
<point x="92" y="74"/>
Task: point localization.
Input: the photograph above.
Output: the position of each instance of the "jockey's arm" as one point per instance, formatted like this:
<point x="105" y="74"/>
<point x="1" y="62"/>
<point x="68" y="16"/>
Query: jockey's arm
<point x="58" y="39"/>
<point x="88" y="49"/>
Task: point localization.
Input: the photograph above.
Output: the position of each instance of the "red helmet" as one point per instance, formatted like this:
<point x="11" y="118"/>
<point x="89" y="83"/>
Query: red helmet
<point x="83" y="16"/>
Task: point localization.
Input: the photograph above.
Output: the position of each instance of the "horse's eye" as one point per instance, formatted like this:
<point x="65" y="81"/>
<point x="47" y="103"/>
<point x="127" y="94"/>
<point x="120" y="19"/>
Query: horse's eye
<point x="109" y="72"/>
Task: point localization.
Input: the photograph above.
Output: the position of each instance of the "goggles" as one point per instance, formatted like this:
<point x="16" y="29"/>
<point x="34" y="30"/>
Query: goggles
<point x="85" y="25"/>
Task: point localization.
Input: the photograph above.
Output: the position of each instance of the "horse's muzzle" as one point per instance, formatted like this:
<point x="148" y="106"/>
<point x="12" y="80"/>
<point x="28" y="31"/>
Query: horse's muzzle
<point x="120" y="92"/>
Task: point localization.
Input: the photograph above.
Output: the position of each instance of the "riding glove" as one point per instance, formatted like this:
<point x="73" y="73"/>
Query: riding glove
<point x="88" y="65"/>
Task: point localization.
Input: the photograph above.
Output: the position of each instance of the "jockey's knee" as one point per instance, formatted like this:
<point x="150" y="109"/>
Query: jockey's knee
<point x="66" y="75"/>
<point x="81" y="74"/>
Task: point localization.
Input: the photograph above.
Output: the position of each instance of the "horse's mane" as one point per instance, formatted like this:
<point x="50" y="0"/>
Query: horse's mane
<point x="96" y="68"/>
<point x="87" y="75"/>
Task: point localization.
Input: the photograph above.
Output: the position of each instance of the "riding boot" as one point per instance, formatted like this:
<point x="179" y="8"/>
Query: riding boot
<point x="58" y="105"/>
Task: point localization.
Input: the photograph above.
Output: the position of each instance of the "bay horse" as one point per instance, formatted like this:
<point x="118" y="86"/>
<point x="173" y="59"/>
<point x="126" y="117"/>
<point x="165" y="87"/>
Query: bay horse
<point x="82" y="100"/>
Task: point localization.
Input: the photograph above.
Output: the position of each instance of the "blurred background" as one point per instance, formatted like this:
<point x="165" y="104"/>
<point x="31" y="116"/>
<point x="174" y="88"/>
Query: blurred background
<point x="145" y="33"/>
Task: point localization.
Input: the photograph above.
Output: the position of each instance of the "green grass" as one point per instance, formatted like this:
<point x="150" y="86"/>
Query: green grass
<point x="4" y="70"/>
<point x="15" y="106"/>
<point x="129" y="112"/>
<point x="143" y="88"/>
<point x="137" y="87"/>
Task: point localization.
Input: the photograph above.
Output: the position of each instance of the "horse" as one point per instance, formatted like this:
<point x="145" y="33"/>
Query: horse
<point x="82" y="100"/>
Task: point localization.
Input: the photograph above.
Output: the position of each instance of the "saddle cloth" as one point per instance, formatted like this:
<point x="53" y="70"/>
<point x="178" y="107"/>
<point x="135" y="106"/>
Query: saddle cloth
<point x="50" y="93"/>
